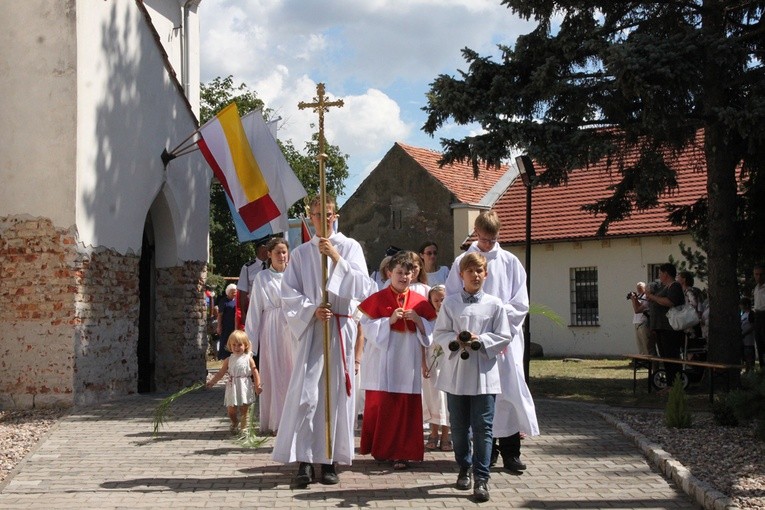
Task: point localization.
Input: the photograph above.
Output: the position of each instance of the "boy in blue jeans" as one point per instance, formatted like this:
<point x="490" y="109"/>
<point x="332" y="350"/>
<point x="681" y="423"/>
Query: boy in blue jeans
<point x="472" y="328"/>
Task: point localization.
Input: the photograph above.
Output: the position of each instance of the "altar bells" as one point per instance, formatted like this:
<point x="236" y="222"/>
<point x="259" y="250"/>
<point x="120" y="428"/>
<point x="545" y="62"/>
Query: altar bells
<point x="397" y="323"/>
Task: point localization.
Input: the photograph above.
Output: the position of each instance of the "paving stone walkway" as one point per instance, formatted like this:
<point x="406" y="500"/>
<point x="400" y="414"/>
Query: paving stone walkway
<point x="105" y="457"/>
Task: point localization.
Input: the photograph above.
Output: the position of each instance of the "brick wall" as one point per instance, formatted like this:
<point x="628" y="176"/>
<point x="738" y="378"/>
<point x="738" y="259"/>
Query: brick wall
<point x="180" y="328"/>
<point x="69" y="319"/>
<point x="106" y="329"/>
<point x="37" y="312"/>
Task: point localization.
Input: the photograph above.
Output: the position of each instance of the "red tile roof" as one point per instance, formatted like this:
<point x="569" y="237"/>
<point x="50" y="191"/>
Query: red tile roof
<point x="457" y="177"/>
<point x="557" y="214"/>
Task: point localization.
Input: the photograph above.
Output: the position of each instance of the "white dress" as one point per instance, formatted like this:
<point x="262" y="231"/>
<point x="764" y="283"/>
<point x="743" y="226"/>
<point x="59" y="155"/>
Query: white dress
<point x="514" y="409"/>
<point x="434" y="408"/>
<point x="266" y="326"/>
<point x="302" y="432"/>
<point x="239" y="389"/>
<point x="439" y="277"/>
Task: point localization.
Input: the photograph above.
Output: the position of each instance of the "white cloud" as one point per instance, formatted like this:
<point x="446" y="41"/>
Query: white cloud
<point x="379" y="56"/>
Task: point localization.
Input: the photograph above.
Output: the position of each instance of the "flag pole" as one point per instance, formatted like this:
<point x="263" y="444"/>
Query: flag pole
<point x="320" y="106"/>
<point x="185" y="140"/>
<point x="167" y="156"/>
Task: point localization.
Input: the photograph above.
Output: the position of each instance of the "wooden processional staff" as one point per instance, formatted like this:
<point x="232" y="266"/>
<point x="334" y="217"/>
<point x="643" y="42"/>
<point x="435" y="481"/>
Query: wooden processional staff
<point x="321" y="105"/>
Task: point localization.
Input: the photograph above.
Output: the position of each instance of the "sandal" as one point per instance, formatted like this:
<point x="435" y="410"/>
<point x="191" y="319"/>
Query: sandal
<point x="400" y="465"/>
<point x="432" y="443"/>
<point x="446" y="446"/>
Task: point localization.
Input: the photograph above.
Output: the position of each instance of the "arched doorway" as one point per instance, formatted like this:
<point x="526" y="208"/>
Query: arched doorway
<point x="147" y="282"/>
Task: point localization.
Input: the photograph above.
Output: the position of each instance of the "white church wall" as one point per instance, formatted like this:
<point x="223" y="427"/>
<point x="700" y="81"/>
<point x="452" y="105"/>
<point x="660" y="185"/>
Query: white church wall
<point x="124" y="124"/>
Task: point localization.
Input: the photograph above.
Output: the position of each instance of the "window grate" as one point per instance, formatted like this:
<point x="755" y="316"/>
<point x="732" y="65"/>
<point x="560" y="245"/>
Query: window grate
<point x="584" y="296"/>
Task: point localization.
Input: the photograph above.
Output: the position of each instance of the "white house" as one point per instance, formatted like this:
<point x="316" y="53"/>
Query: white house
<point x="102" y="249"/>
<point x="585" y="278"/>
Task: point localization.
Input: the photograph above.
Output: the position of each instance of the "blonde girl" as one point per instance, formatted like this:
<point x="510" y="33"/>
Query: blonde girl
<point x="434" y="410"/>
<point x="243" y="380"/>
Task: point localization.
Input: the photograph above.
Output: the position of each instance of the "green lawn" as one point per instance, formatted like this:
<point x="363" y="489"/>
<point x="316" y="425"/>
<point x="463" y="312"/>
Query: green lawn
<point x="603" y="381"/>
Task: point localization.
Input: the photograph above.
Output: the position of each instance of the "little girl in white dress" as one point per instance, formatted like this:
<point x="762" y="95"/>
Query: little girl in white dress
<point x="243" y="380"/>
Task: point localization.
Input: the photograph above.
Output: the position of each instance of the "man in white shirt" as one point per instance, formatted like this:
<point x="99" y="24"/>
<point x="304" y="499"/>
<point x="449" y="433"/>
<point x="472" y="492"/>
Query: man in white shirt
<point x="640" y="319"/>
<point x="247" y="276"/>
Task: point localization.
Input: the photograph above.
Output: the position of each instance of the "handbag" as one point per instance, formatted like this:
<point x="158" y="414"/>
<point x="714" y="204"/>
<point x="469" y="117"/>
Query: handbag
<point x="682" y="317"/>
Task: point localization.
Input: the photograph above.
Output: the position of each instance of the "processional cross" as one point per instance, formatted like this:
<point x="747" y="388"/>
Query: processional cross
<point x="321" y="105"/>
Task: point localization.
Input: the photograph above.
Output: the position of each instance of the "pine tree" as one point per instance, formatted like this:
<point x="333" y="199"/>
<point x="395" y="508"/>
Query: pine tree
<point x="602" y="79"/>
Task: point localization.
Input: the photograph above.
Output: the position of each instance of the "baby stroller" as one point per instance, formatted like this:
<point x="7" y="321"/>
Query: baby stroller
<point x="694" y="348"/>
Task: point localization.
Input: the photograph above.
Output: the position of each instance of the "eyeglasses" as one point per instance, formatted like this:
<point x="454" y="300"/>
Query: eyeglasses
<point x="488" y="240"/>
<point x="318" y="215"/>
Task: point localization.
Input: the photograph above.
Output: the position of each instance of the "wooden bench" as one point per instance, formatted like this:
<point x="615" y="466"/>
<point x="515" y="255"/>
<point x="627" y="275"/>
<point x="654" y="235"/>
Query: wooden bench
<point x="647" y="362"/>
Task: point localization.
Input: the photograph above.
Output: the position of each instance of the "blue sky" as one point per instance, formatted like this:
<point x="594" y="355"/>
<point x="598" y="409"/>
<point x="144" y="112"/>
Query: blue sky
<point x="379" y="56"/>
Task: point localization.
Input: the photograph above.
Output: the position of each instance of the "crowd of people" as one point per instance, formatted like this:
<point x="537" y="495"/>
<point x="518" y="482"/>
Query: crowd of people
<point x="432" y="354"/>
<point x="655" y="336"/>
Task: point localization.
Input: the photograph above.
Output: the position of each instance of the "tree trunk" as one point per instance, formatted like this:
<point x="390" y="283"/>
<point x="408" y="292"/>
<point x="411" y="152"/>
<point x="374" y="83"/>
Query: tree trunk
<point x="722" y="154"/>
<point x="724" y="322"/>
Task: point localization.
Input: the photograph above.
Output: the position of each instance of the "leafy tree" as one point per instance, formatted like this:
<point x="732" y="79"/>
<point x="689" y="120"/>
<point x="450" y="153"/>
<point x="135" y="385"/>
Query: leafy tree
<point x="306" y="168"/>
<point x="228" y="254"/>
<point x="602" y="80"/>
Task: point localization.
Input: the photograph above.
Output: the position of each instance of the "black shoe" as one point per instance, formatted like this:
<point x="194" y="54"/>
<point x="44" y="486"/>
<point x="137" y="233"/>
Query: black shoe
<point x="514" y="464"/>
<point x="304" y="475"/>
<point x="329" y="475"/>
<point x="481" y="491"/>
<point x="463" y="479"/>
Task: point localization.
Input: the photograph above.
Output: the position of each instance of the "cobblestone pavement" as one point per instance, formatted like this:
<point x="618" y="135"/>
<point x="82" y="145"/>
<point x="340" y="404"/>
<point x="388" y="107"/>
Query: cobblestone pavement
<point x="105" y="457"/>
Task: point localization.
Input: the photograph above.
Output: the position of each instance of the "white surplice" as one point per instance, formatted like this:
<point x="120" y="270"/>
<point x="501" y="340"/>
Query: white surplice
<point x="394" y="358"/>
<point x="266" y="327"/>
<point x="302" y="430"/>
<point x="506" y="279"/>
<point x="479" y="373"/>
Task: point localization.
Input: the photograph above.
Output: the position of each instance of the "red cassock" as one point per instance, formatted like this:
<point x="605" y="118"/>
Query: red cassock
<point x="392" y="425"/>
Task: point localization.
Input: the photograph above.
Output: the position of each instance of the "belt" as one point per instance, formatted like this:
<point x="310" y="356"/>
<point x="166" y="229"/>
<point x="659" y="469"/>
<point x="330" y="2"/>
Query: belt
<point x="342" y="353"/>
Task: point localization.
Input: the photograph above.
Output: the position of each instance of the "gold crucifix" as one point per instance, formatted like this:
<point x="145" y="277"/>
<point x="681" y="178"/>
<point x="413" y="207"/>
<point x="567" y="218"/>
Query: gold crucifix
<point x="321" y="105"/>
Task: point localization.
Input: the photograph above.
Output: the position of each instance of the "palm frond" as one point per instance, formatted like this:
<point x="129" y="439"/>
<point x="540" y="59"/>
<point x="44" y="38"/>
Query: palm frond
<point x="249" y="438"/>
<point x="162" y="411"/>
<point x="544" y="311"/>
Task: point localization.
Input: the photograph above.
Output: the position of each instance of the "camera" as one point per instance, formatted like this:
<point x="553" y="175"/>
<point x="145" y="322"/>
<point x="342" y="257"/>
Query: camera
<point x="630" y="295"/>
<point x="464" y="340"/>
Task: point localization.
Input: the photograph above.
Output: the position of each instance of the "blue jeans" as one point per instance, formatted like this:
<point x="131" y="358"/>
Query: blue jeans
<point x="476" y="413"/>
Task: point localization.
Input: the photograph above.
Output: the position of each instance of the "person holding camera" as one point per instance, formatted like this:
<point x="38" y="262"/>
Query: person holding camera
<point x="640" y="319"/>
<point x="668" y="295"/>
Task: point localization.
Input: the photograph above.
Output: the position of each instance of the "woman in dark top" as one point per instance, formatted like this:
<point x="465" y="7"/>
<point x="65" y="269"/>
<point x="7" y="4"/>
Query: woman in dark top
<point x="226" y="319"/>
<point x="670" y="294"/>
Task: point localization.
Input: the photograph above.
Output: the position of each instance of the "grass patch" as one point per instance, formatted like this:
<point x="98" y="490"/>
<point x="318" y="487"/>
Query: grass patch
<point x="602" y="381"/>
<point x="598" y="381"/>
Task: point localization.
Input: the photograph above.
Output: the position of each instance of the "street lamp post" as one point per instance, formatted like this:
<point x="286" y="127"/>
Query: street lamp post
<point x="529" y="178"/>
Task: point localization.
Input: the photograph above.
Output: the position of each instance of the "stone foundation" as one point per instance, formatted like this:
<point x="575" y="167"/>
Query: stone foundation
<point x="69" y="319"/>
<point x="180" y="328"/>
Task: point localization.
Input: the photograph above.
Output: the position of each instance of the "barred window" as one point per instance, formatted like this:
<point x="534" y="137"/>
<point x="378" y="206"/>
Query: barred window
<point x="584" y="296"/>
<point x="653" y="273"/>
